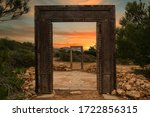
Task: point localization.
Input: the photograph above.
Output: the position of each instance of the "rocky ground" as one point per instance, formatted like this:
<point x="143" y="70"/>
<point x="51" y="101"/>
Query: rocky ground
<point x="132" y="86"/>
<point x="129" y="85"/>
<point x="29" y="83"/>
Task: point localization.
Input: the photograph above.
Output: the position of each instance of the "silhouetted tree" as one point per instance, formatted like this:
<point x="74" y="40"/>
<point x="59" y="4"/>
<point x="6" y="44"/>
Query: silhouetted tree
<point x="91" y="51"/>
<point x="11" y="9"/>
<point x="133" y="37"/>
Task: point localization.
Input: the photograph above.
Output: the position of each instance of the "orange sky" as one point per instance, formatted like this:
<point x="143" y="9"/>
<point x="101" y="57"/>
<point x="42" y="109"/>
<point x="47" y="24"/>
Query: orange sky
<point x="84" y="2"/>
<point x="74" y="34"/>
<point x="22" y="29"/>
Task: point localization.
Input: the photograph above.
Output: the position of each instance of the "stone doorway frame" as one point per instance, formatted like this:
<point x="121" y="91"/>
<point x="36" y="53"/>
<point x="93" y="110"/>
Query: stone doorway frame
<point x="71" y="56"/>
<point x="103" y="15"/>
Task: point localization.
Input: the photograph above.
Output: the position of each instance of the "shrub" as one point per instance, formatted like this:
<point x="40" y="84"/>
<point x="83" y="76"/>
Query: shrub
<point x="133" y="36"/>
<point x="88" y="55"/>
<point x="15" y="57"/>
<point x="145" y="72"/>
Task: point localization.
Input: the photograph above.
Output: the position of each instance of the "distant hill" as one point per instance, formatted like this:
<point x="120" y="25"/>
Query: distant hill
<point x="67" y="49"/>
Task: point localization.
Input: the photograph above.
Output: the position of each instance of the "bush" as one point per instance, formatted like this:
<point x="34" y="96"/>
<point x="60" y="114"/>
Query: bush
<point x="22" y="58"/>
<point x="3" y="93"/>
<point x="9" y="83"/>
<point x="89" y="58"/>
<point x="133" y="36"/>
<point x="145" y="72"/>
<point x="88" y="55"/>
<point x="15" y="57"/>
<point x="123" y="61"/>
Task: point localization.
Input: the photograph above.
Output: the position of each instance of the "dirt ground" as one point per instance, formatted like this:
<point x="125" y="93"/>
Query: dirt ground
<point x="74" y="80"/>
<point x="75" y="85"/>
<point x="80" y="85"/>
<point x="70" y="95"/>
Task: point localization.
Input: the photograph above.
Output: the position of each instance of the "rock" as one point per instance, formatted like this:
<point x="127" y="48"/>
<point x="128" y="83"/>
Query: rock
<point x="142" y="86"/>
<point x="26" y="88"/>
<point x="133" y="94"/>
<point x="29" y="83"/>
<point x="119" y="84"/>
<point x="128" y="86"/>
<point x="28" y="94"/>
<point x="61" y="67"/>
<point x="27" y="74"/>
<point x="91" y="69"/>
<point x="32" y="92"/>
<point x="67" y="69"/>
<point x="120" y="92"/>
<point x="138" y="82"/>
<point x="141" y="82"/>
<point x="147" y="85"/>
<point x="114" y="92"/>
<point x="44" y="96"/>
<point x="75" y="92"/>
<point x="132" y="81"/>
<point x="32" y="87"/>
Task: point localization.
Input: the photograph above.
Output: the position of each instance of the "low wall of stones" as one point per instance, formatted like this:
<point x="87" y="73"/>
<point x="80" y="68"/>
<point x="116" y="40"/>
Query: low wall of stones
<point x="61" y="67"/>
<point x="129" y="85"/>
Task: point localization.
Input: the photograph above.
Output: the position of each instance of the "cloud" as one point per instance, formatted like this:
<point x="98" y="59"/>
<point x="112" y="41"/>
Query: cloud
<point x="85" y="2"/>
<point x="21" y="33"/>
<point x="76" y="34"/>
<point x="66" y="39"/>
<point x="68" y="44"/>
<point x="68" y="2"/>
<point x="47" y="2"/>
<point x="23" y="28"/>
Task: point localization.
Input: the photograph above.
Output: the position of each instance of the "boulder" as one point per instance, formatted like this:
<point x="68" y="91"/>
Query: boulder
<point x="133" y="94"/>
<point x="61" y="67"/>
<point x="114" y="92"/>
<point x="120" y="91"/>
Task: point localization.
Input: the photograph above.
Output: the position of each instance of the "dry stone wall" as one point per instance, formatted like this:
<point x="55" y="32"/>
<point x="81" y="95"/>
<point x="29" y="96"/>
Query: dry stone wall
<point x="29" y="83"/>
<point x="61" y="67"/>
<point x="129" y="85"/>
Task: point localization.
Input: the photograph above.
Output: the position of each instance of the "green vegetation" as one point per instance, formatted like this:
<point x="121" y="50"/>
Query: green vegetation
<point x="133" y="36"/>
<point x="145" y="72"/>
<point x="132" y="45"/>
<point x="15" y="57"/>
<point x="88" y="55"/>
<point x="91" y="51"/>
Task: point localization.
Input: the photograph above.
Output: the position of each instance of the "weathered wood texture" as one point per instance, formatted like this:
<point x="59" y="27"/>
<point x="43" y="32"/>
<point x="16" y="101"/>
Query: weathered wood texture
<point x="103" y="15"/>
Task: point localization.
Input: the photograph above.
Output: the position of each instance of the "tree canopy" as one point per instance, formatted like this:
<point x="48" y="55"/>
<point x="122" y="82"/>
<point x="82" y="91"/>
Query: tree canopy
<point x="133" y="36"/>
<point x="11" y="9"/>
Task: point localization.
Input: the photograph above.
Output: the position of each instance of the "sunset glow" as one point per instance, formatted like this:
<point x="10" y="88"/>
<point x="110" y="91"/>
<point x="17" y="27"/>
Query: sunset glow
<point x="84" y="2"/>
<point x="82" y="36"/>
<point x="22" y="29"/>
